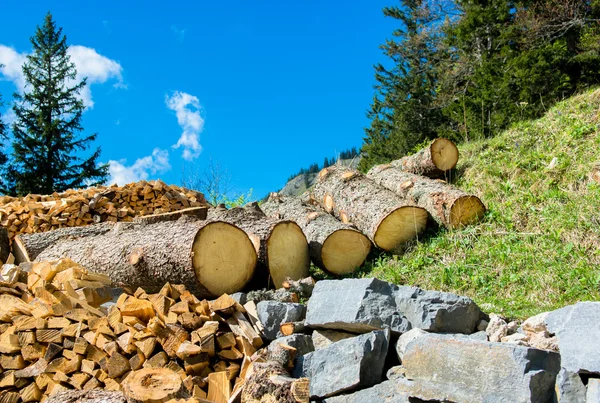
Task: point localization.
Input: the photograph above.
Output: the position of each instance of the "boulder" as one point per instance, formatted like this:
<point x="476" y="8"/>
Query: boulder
<point x="273" y="313"/>
<point x="480" y="335"/>
<point x="519" y="339"/>
<point x="240" y="297"/>
<point x="577" y="330"/>
<point x="385" y="392"/>
<point x="569" y="387"/>
<point x="323" y="338"/>
<point x="346" y="365"/>
<point x="438" y="312"/>
<point x="355" y="305"/>
<point x="460" y="369"/>
<point x="593" y="391"/>
<point x="301" y="342"/>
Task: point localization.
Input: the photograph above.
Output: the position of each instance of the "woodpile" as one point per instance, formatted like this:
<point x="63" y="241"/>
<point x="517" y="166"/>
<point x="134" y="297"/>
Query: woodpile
<point x="56" y="337"/>
<point x="37" y="213"/>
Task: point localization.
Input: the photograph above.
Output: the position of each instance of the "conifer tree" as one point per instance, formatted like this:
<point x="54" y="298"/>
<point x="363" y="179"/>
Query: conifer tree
<point x="47" y="146"/>
<point x="3" y="137"/>
<point x="403" y="113"/>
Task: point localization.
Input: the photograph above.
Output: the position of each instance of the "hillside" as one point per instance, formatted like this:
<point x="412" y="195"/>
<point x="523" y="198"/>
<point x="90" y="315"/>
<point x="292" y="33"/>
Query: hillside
<point x="538" y="247"/>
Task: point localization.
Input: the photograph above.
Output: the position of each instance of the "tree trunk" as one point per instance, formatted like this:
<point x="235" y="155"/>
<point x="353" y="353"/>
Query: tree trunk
<point x="335" y="247"/>
<point x="208" y="257"/>
<point x="270" y="382"/>
<point x="448" y="205"/>
<point x="378" y="212"/>
<point x="281" y="246"/>
<point x="432" y="161"/>
<point x="4" y="245"/>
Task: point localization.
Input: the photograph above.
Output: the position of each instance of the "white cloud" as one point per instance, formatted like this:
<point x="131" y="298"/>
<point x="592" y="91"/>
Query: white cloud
<point x="187" y="110"/>
<point x="97" y="68"/>
<point x="142" y="168"/>
<point x="12" y="61"/>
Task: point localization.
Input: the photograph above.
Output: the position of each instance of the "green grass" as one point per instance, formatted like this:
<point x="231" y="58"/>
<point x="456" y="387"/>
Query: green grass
<point x="538" y="247"/>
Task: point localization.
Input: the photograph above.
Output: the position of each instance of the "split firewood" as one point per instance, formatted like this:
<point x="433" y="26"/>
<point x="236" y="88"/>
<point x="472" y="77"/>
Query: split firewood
<point x="270" y="382"/>
<point x="81" y="207"/>
<point x="289" y="328"/>
<point x="281" y="246"/>
<point x="447" y="205"/>
<point x="209" y="257"/>
<point x="378" y="212"/>
<point x="336" y="247"/>
<point x="433" y="161"/>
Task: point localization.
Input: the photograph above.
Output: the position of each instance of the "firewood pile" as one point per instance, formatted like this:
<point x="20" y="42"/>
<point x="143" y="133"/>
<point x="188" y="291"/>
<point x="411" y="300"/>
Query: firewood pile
<point x="55" y="336"/>
<point x="38" y="213"/>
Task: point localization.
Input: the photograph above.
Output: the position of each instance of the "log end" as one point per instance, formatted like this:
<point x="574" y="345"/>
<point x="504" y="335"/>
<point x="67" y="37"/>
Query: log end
<point x="401" y="225"/>
<point x="444" y="154"/>
<point x="344" y="251"/>
<point x="287" y="253"/>
<point x="152" y="385"/>
<point x="466" y="210"/>
<point x="223" y="258"/>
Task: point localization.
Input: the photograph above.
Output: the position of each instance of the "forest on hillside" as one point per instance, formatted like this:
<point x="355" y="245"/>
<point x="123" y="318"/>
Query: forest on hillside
<point x="466" y="70"/>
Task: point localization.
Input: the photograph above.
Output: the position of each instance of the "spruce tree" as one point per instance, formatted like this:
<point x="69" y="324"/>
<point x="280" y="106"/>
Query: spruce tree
<point x="46" y="144"/>
<point x="3" y="137"/>
<point x="403" y="113"/>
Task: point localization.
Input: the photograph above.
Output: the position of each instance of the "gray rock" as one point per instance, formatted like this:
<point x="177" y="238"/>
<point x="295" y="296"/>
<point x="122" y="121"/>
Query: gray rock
<point x="406" y="338"/>
<point x="395" y="372"/>
<point x="481" y="335"/>
<point x="273" y="313"/>
<point x="240" y="297"/>
<point x="482" y="325"/>
<point x="385" y="392"/>
<point x="323" y="338"/>
<point x="435" y="311"/>
<point x="460" y="369"/>
<point x="355" y="305"/>
<point x="519" y="339"/>
<point x="301" y="342"/>
<point x="577" y="329"/>
<point x="345" y="365"/>
<point x="593" y="391"/>
<point x="569" y="387"/>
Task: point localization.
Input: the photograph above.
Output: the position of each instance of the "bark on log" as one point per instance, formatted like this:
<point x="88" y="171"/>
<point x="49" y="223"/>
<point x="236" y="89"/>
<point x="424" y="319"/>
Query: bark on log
<point x="432" y="161"/>
<point x="281" y="245"/>
<point x="209" y="257"/>
<point x="37" y="242"/>
<point x="4" y="245"/>
<point x="378" y="212"/>
<point x="448" y="205"/>
<point x="270" y="382"/>
<point x="335" y="247"/>
<point x="87" y="396"/>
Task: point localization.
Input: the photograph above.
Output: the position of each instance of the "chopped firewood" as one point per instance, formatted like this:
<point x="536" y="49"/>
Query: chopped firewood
<point x="219" y="387"/>
<point x="158" y="360"/>
<point x="242" y="327"/>
<point x="226" y="340"/>
<point x="232" y="354"/>
<point x="31" y="393"/>
<point x="290" y="328"/>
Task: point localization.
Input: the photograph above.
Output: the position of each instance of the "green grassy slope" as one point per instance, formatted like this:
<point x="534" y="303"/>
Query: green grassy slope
<point x="539" y="246"/>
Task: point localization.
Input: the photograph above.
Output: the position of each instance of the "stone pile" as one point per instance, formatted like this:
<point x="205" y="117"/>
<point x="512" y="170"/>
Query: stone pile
<point x="366" y="340"/>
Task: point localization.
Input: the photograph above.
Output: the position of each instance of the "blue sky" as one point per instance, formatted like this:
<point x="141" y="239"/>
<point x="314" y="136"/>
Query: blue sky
<point x="262" y="88"/>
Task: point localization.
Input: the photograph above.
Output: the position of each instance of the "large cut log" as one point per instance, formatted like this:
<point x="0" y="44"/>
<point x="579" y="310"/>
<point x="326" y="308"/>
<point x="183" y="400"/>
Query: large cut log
<point x="432" y="161"/>
<point x="27" y="247"/>
<point x="378" y="212"/>
<point x="208" y="257"/>
<point x="448" y="205"/>
<point x="153" y="385"/>
<point x="4" y="245"/>
<point x="280" y="244"/>
<point x="335" y="247"/>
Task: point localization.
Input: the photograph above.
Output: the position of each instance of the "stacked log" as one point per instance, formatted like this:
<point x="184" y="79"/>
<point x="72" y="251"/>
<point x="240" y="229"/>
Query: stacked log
<point x="378" y="212"/>
<point x="281" y="246"/>
<point x="433" y="161"/>
<point x="37" y="213"/>
<point x="449" y="206"/>
<point x="335" y="247"/>
<point x="55" y="337"/>
<point x="209" y="257"/>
